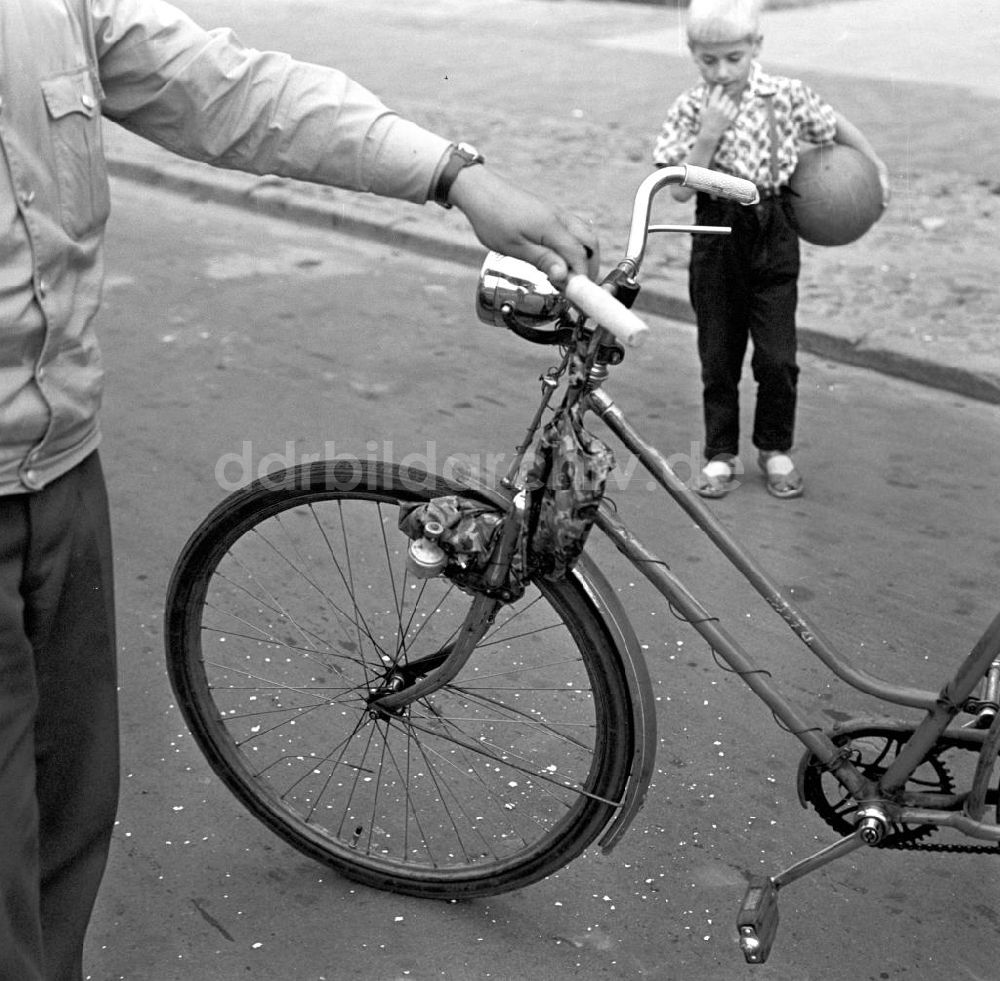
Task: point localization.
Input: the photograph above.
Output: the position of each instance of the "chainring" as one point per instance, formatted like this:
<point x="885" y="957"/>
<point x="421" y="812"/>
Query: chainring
<point x="871" y="749"/>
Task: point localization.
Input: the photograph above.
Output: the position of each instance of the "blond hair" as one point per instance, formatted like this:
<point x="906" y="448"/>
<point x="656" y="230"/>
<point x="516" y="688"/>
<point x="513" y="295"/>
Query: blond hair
<point x="714" y="21"/>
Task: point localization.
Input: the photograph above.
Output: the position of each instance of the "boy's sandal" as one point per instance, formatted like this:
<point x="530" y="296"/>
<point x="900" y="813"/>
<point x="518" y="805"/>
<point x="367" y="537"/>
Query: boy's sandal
<point x="715" y="480"/>
<point x="783" y="480"/>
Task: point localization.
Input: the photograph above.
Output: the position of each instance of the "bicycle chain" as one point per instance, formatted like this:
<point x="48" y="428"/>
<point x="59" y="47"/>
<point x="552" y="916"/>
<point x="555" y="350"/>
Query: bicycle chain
<point x="916" y="846"/>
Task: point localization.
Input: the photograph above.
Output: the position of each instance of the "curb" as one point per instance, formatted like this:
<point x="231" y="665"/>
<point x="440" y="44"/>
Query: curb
<point x="281" y="199"/>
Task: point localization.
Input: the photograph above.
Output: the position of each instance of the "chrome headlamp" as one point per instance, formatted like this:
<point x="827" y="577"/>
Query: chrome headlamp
<point x="514" y="294"/>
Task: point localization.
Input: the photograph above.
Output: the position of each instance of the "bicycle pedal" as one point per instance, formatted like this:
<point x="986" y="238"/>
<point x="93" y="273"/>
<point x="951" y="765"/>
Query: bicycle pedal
<point x="757" y="921"/>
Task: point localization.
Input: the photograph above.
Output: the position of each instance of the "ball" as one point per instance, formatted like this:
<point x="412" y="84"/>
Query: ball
<point x="836" y="194"/>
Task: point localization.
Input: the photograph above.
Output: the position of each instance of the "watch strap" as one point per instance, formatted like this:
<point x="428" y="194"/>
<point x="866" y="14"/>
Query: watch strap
<point x="461" y="155"/>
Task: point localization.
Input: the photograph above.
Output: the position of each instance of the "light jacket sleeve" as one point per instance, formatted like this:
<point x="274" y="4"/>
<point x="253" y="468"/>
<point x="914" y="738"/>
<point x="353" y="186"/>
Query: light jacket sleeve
<point x="204" y="95"/>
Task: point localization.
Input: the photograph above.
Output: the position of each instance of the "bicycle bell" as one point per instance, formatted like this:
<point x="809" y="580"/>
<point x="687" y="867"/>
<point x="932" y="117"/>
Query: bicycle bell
<point x="514" y="294"/>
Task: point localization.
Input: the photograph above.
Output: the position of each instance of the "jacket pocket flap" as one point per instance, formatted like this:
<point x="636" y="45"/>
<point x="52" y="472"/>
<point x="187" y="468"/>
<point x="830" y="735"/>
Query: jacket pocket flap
<point x="72" y="92"/>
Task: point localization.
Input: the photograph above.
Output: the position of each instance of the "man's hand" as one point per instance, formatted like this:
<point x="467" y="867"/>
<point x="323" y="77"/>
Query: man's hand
<point x="516" y="223"/>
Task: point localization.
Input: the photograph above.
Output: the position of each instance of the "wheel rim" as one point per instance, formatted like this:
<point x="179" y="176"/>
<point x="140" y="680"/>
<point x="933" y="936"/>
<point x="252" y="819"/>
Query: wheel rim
<point x="296" y="622"/>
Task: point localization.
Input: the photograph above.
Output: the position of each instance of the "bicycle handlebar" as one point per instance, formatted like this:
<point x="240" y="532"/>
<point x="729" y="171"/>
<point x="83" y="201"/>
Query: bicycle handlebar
<point x="598" y="303"/>
<point x="512" y="291"/>
<point x="697" y="178"/>
<point x="724" y="185"/>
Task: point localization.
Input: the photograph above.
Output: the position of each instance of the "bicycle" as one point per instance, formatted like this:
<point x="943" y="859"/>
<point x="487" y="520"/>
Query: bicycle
<point x="388" y="670"/>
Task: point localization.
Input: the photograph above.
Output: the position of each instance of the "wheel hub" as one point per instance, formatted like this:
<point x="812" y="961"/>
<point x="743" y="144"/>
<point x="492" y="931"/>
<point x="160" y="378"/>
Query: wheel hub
<point x="393" y="682"/>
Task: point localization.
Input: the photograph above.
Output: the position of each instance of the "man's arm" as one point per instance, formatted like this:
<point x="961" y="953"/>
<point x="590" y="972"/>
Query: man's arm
<point x="204" y="95"/>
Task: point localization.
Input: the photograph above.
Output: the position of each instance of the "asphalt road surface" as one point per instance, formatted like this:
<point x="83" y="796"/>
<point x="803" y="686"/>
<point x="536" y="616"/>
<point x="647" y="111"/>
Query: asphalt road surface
<point x="236" y="343"/>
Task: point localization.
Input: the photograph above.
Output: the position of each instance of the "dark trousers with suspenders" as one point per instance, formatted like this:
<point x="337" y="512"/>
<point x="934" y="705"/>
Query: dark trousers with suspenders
<point x="744" y="287"/>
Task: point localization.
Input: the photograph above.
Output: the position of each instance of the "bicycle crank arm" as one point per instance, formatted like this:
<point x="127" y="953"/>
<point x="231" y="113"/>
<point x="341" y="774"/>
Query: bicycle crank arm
<point x="757" y="921"/>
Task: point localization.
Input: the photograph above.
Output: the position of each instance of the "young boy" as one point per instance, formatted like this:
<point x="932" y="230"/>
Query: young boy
<point x="744" y="286"/>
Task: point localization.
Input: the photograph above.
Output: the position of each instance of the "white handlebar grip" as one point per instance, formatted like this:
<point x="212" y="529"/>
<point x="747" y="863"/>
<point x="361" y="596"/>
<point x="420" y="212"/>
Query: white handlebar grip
<point x="598" y="304"/>
<point x="724" y="185"/>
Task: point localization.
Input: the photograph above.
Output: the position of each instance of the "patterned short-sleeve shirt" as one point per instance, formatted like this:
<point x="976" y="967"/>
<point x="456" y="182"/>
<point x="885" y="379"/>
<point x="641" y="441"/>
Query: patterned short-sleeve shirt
<point x="745" y="148"/>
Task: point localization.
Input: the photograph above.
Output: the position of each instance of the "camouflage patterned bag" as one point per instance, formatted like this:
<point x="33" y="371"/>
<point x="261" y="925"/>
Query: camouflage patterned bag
<point x="470" y="535"/>
<point x="565" y="481"/>
<point x="469" y="528"/>
<point x="565" y="477"/>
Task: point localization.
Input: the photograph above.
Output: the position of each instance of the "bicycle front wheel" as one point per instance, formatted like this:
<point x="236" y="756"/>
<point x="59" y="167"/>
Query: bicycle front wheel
<point x="291" y="606"/>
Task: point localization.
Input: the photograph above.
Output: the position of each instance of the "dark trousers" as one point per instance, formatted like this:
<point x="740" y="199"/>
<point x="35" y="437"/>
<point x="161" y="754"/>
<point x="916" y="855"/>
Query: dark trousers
<point x="58" y="721"/>
<point x="744" y="286"/>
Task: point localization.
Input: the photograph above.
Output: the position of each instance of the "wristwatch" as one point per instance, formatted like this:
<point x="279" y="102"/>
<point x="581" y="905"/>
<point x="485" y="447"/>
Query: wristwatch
<point x="462" y="155"/>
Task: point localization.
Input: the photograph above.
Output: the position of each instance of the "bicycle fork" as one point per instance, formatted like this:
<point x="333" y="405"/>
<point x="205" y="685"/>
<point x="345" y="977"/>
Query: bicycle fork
<point x="482" y="611"/>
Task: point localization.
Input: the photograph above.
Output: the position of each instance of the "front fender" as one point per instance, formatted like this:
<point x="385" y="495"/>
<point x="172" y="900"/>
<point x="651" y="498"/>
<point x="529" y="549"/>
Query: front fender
<point x="603" y="596"/>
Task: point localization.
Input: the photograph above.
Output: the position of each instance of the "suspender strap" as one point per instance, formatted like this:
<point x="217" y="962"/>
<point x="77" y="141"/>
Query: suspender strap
<point x="772" y="126"/>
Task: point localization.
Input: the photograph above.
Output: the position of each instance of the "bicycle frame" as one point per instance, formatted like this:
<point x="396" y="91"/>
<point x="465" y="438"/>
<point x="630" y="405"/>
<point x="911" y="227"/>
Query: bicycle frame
<point x="877" y="781"/>
<point x="884" y="803"/>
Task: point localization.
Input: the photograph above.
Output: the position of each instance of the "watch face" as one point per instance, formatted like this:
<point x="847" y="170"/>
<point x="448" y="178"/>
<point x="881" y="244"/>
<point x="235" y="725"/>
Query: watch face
<point x="468" y="150"/>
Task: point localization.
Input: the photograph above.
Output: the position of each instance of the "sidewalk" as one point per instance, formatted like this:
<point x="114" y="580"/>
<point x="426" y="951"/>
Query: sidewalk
<point x="916" y="298"/>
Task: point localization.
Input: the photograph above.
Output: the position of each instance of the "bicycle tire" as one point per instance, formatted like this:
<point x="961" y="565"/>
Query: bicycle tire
<point x="491" y="783"/>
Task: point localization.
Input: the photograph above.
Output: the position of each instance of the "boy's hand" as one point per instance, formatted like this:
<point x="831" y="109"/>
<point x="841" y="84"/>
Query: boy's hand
<point x="718" y="112"/>
<point x="883" y="179"/>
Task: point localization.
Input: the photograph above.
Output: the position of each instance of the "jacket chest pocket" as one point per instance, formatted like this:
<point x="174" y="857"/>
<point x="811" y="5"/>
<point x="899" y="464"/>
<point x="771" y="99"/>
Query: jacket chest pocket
<point x="75" y="122"/>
